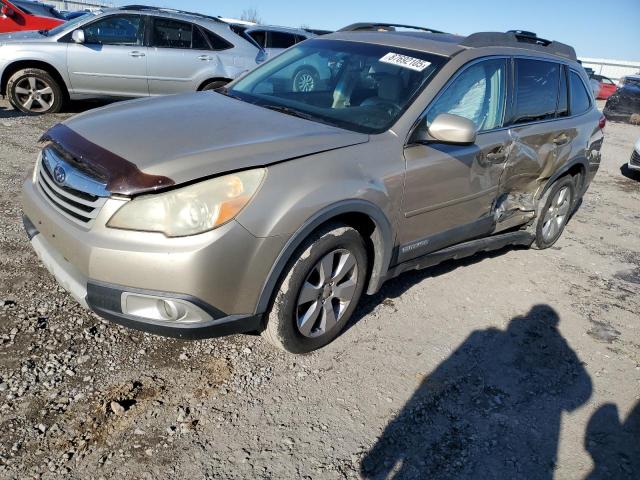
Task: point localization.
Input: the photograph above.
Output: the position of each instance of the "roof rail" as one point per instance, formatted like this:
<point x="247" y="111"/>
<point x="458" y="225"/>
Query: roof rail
<point x="519" y="39"/>
<point x="150" y="8"/>
<point x="318" y="31"/>
<point x="383" y="27"/>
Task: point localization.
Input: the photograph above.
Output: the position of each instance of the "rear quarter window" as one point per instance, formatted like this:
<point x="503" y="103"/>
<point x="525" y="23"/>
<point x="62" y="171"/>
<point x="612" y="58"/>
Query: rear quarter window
<point x="536" y="90"/>
<point x="580" y="100"/>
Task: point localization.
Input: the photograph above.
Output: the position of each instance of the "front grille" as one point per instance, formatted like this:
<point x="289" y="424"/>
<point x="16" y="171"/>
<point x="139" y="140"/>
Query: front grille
<point x="635" y="159"/>
<point x="79" y="206"/>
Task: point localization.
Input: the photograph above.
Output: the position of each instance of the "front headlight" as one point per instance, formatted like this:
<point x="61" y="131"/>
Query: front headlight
<point x="190" y="210"/>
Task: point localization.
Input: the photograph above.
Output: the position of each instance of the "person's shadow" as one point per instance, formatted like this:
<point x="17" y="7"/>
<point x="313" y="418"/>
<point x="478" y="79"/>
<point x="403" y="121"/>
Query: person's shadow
<point x="614" y="445"/>
<point x="492" y="410"/>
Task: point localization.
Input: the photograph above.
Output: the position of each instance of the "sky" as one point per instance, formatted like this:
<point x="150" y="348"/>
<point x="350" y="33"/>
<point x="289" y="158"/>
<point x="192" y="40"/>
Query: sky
<point x="595" y="28"/>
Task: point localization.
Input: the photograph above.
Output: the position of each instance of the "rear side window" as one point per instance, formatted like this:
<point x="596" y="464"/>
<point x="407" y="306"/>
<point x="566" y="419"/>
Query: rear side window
<point x="217" y="43"/>
<point x="260" y="37"/>
<point x="281" y="40"/>
<point x="536" y="90"/>
<point x="580" y="101"/>
<point x="172" y="34"/>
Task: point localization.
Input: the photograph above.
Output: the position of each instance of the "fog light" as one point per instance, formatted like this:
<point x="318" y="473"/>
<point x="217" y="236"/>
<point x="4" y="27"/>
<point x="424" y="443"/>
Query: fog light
<point x="172" y="310"/>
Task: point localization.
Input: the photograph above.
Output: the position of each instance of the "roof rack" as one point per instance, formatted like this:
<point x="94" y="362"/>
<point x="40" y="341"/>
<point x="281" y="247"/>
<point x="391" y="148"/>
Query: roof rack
<point x="150" y="8"/>
<point x="519" y="39"/>
<point x="383" y="27"/>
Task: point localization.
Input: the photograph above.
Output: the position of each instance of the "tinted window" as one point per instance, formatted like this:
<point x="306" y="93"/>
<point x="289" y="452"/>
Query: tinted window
<point x="281" y="40"/>
<point x="478" y="94"/>
<point x="41" y="10"/>
<point x="580" y="102"/>
<point x="563" y="101"/>
<point x="116" y="30"/>
<point x="259" y="37"/>
<point x="172" y="34"/>
<point x="217" y="43"/>
<point x="536" y="92"/>
<point x="199" y="42"/>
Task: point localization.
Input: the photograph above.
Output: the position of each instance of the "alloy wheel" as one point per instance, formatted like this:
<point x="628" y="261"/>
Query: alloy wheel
<point x="304" y="82"/>
<point x="326" y="293"/>
<point x="556" y="215"/>
<point x="34" y="94"/>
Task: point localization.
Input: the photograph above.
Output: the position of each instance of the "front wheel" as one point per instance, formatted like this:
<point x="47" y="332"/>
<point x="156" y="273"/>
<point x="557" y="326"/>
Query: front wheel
<point x="319" y="292"/>
<point x="555" y="209"/>
<point x="34" y="91"/>
<point x="214" y="85"/>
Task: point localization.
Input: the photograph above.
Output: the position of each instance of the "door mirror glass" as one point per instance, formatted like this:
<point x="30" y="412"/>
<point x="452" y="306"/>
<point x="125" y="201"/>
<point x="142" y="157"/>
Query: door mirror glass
<point x="454" y="129"/>
<point x="6" y="11"/>
<point x="78" y="36"/>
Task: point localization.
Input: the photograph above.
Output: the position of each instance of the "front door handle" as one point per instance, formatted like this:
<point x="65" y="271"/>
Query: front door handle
<point x="561" y="139"/>
<point x="205" y="58"/>
<point x="136" y="54"/>
<point x="497" y="155"/>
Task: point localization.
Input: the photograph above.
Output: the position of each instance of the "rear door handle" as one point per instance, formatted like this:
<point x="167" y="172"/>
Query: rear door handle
<point x="205" y="58"/>
<point x="136" y="54"/>
<point x="561" y="139"/>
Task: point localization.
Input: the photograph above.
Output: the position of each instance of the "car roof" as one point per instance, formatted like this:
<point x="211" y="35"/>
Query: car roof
<point x="277" y="28"/>
<point x="447" y="44"/>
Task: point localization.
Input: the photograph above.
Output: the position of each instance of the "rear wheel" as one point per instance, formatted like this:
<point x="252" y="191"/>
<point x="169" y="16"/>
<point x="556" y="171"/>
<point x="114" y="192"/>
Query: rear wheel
<point x="320" y="290"/>
<point x="554" y="212"/>
<point x="35" y="91"/>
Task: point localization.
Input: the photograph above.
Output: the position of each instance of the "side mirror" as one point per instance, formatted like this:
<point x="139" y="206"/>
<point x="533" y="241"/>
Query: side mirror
<point x="6" y="11"/>
<point x="448" y="128"/>
<point x="78" y="36"/>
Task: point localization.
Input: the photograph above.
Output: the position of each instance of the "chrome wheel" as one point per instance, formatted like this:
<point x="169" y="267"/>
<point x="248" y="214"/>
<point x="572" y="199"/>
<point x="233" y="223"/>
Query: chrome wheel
<point x="304" y="81"/>
<point x="556" y="215"/>
<point x="34" y="94"/>
<point x="326" y="293"/>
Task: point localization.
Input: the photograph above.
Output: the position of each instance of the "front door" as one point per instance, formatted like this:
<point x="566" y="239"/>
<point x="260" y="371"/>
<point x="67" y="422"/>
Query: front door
<point x="113" y="58"/>
<point x="450" y="189"/>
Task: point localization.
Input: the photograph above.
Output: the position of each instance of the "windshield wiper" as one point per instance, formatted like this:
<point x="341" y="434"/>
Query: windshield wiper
<point x="290" y="111"/>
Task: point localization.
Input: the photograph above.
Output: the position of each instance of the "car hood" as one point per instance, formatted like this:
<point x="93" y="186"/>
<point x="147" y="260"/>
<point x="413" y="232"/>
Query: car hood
<point x="148" y="144"/>
<point x="28" y="36"/>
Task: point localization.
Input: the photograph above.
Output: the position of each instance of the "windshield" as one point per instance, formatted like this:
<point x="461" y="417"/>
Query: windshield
<point x="351" y="85"/>
<point x="70" y="25"/>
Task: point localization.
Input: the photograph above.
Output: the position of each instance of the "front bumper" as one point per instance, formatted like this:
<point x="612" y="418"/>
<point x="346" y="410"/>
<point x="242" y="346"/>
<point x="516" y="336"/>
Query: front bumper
<point x="107" y="299"/>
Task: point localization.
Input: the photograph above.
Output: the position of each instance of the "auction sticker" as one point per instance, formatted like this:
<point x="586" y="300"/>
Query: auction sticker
<point x="407" y="62"/>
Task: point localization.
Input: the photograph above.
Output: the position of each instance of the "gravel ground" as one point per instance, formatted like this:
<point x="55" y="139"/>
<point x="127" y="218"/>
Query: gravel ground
<point x="517" y="364"/>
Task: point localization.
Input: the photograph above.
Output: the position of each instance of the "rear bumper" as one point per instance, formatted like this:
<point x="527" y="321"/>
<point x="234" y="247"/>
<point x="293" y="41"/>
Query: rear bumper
<point x="107" y="299"/>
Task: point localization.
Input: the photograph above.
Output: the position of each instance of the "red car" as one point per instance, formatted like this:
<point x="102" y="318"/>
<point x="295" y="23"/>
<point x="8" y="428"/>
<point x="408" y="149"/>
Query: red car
<point x="23" y="15"/>
<point x="607" y="86"/>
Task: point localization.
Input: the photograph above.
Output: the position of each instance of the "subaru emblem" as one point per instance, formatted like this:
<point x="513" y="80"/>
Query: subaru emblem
<point x="59" y="175"/>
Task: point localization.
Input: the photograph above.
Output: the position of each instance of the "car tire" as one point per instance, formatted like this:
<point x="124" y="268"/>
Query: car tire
<point x="319" y="291"/>
<point x="555" y="208"/>
<point x="305" y="80"/>
<point x="35" y="91"/>
<point x="214" y="85"/>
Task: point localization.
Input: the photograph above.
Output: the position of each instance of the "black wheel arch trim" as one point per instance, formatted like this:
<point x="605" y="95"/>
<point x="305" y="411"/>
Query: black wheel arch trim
<point x="382" y="239"/>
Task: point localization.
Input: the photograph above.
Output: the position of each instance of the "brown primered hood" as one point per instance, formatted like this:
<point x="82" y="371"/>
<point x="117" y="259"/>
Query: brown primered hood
<point x="148" y="144"/>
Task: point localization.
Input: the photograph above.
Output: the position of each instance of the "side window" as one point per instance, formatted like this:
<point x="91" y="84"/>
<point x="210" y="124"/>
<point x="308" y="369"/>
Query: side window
<point x="281" y="40"/>
<point x="260" y="37"/>
<point x="477" y="94"/>
<point x="217" y="42"/>
<point x="171" y="34"/>
<point x="608" y="81"/>
<point x="116" y="30"/>
<point x="199" y="42"/>
<point x="580" y="101"/>
<point x="536" y="90"/>
<point x="563" y="96"/>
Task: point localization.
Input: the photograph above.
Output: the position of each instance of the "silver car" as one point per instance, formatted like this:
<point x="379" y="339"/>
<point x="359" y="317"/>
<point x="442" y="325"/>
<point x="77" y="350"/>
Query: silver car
<point x="128" y="52"/>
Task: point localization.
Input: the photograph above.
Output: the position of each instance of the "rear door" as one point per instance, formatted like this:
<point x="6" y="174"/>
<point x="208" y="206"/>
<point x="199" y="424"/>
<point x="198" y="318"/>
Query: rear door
<point x="541" y="132"/>
<point x="450" y="189"/>
<point x="113" y="59"/>
<point x="182" y="55"/>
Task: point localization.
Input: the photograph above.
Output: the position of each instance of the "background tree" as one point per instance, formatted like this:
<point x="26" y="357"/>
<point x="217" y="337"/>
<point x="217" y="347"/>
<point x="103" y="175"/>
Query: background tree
<point x="250" y="15"/>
